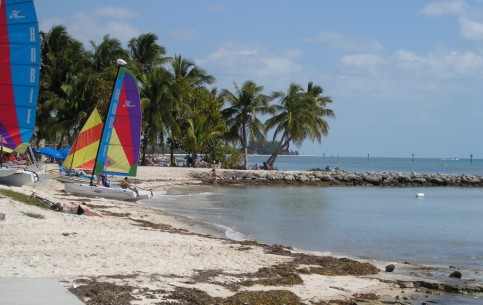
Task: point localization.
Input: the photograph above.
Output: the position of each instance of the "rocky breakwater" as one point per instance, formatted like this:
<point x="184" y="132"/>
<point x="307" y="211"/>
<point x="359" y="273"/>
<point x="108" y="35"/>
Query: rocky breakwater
<point x="340" y="178"/>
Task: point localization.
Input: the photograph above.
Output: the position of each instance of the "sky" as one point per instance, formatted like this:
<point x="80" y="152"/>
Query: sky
<point x="405" y="77"/>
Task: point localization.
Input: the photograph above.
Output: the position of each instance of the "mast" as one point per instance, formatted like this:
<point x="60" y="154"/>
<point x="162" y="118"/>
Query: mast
<point x="121" y="63"/>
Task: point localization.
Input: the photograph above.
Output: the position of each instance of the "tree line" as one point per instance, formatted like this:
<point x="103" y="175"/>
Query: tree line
<point x="181" y="107"/>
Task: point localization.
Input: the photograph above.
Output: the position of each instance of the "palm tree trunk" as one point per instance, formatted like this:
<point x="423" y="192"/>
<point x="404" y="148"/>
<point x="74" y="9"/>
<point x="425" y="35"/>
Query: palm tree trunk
<point x="144" y="147"/>
<point x="58" y="146"/>
<point x="171" y="150"/>
<point x="194" y="156"/>
<point x="244" y="147"/>
<point x="283" y="145"/>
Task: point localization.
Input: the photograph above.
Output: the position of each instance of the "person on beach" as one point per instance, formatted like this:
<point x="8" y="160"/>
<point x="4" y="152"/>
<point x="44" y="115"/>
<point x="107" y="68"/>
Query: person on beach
<point x="101" y="178"/>
<point x="214" y="178"/>
<point x="126" y="183"/>
<point x="78" y="209"/>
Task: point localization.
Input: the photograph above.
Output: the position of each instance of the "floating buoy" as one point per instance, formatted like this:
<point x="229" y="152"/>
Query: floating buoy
<point x="419" y="194"/>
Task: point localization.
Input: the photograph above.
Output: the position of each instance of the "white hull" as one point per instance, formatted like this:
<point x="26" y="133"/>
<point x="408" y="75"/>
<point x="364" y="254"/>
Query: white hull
<point x="142" y="194"/>
<point x="17" y="177"/>
<point x="116" y="193"/>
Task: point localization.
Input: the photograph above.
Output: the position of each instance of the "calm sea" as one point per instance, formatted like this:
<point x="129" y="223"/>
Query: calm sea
<point x="444" y="227"/>
<point x="371" y="164"/>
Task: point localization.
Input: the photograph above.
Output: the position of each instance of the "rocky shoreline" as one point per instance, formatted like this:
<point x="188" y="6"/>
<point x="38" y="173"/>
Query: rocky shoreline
<point x="341" y="178"/>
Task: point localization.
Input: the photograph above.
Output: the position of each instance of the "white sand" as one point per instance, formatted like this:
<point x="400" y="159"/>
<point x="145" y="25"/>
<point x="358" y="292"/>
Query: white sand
<point x="70" y="247"/>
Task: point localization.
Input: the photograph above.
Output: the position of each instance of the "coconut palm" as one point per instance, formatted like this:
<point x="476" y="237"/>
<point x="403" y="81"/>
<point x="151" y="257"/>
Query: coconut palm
<point x="63" y="59"/>
<point x="187" y="77"/>
<point x="146" y="51"/>
<point x="159" y="94"/>
<point x="198" y="136"/>
<point x="106" y="53"/>
<point x="241" y="116"/>
<point x="300" y="115"/>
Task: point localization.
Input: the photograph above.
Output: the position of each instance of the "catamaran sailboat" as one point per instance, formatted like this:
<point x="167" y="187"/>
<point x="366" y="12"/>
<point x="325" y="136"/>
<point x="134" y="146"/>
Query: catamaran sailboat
<point x="115" y="151"/>
<point x="19" y="86"/>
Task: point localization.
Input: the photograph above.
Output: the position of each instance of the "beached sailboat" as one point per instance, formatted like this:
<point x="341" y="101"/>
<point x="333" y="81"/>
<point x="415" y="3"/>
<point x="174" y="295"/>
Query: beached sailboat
<point x="117" y="152"/>
<point x="81" y="156"/>
<point x="19" y="85"/>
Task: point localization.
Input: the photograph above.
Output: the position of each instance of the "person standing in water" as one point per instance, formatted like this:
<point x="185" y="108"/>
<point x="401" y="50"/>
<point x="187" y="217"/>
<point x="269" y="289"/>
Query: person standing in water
<point x="214" y="178"/>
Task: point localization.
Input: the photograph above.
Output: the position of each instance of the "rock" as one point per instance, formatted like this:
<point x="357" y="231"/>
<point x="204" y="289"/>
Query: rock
<point x="455" y="274"/>
<point x="390" y="268"/>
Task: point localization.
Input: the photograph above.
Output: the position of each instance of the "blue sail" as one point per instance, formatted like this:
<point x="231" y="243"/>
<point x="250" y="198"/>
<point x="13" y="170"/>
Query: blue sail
<point x="19" y="72"/>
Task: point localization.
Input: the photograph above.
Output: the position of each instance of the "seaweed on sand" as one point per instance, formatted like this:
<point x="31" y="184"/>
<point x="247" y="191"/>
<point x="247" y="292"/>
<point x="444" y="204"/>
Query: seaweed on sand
<point x="102" y="293"/>
<point x="185" y="296"/>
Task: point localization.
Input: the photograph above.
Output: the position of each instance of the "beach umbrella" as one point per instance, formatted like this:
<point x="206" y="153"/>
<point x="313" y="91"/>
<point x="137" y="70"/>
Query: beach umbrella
<point x="64" y="152"/>
<point x="49" y="152"/>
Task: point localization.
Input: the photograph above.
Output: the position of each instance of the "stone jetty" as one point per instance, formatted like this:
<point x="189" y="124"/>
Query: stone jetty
<point x="340" y="178"/>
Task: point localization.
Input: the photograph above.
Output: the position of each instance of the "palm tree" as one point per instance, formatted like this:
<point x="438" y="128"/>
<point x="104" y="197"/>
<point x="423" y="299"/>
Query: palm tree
<point x="300" y="115"/>
<point x="241" y="116"/>
<point x="63" y="60"/>
<point x="198" y="136"/>
<point x="159" y="94"/>
<point x="106" y="53"/>
<point x="187" y="77"/>
<point x="146" y="51"/>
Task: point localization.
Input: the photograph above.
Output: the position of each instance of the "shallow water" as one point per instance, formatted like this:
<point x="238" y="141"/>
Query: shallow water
<point x="442" y="228"/>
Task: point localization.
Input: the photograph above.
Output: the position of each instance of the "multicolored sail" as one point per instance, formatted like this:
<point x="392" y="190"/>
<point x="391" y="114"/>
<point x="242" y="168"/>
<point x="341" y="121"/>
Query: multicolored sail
<point x="121" y="139"/>
<point x="83" y="152"/>
<point x="19" y="72"/>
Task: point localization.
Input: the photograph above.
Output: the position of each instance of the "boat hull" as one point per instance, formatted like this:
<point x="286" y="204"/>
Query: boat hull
<point x="144" y="194"/>
<point x="117" y="193"/>
<point x="17" y="177"/>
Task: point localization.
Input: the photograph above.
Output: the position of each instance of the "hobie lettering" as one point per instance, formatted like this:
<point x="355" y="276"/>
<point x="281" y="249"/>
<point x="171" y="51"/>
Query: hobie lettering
<point x="32" y="75"/>
<point x="15" y="14"/>
<point x="31" y="98"/>
<point x="32" y="34"/>
<point x="33" y="55"/>
<point x="29" y="114"/>
<point x="128" y="104"/>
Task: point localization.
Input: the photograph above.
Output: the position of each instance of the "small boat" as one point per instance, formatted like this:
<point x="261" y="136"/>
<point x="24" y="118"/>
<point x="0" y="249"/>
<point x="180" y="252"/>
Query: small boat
<point x="112" y="147"/>
<point x="419" y="194"/>
<point x="85" y="189"/>
<point x="19" y="85"/>
<point x="17" y="176"/>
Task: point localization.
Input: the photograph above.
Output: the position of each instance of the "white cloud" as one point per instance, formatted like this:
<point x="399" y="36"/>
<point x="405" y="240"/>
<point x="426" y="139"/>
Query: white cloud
<point x="93" y="26"/>
<point x="343" y="42"/>
<point x="370" y="62"/>
<point x="447" y="7"/>
<point x="455" y="65"/>
<point x="87" y="27"/>
<point x="471" y="29"/>
<point x="439" y="64"/>
<point x="277" y="66"/>
<point x="240" y="62"/>
<point x="408" y="60"/>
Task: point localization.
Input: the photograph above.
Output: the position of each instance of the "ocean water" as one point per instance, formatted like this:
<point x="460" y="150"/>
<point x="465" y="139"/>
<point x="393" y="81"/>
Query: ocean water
<point x="372" y="164"/>
<point x="444" y="227"/>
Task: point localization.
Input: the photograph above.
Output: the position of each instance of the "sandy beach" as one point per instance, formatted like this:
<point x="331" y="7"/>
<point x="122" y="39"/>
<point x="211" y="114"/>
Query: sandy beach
<point x="135" y="255"/>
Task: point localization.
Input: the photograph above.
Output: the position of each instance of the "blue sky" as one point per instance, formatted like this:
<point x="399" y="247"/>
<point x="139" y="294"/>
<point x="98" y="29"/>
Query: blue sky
<point x="405" y="77"/>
